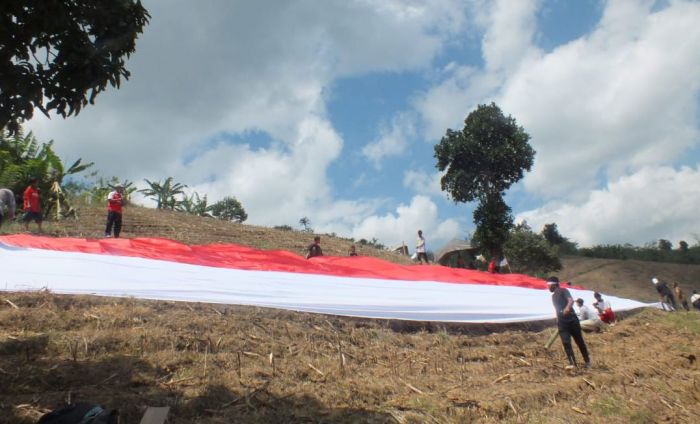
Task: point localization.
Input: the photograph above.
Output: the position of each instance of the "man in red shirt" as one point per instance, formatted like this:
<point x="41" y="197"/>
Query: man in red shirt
<point x="32" y="205"/>
<point x="115" y="201"/>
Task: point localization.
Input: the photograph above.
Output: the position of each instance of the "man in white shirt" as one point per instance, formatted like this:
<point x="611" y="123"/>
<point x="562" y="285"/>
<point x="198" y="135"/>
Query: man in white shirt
<point x="588" y="318"/>
<point x="421" y="253"/>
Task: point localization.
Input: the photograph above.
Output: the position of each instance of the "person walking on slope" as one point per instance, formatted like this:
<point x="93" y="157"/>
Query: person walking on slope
<point x="665" y="295"/>
<point x="680" y="297"/>
<point x="115" y="201"/>
<point x="420" y="248"/>
<point x="568" y="323"/>
<point x="32" y="205"/>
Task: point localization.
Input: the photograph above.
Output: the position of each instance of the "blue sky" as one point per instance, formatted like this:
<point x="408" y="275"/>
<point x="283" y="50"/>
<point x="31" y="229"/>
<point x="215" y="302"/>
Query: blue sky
<point x="331" y="109"/>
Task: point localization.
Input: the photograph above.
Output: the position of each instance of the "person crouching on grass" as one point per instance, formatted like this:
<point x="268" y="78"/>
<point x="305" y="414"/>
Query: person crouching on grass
<point x="604" y="309"/>
<point x="568" y="323"/>
<point x="115" y="201"/>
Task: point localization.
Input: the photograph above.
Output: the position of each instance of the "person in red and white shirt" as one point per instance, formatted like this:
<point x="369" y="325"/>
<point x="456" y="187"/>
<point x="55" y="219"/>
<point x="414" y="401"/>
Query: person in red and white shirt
<point x="32" y="205"/>
<point x="115" y="201"/>
<point x="605" y="311"/>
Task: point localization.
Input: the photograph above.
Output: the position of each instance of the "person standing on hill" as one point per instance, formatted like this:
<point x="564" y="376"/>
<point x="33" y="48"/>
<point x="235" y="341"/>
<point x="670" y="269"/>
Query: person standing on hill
<point x="665" y="295"/>
<point x="568" y="323"/>
<point x="420" y="248"/>
<point x="7" y="200"/>
<point x="115" y="201"/>
<point x="32" y="205"/>
<point x="315" y="248"/>
<point x="493" y="266"/>
<point x="680" y="297"/>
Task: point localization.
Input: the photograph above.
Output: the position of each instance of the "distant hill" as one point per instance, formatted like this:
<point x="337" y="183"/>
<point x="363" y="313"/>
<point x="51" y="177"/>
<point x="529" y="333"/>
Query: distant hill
<point x="628" y="278"/>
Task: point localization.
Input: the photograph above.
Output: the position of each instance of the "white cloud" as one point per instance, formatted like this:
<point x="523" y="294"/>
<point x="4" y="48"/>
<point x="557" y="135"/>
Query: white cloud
<point x="653" y="203"/>
<point x="279" y="184"/>
<point x="423" y="183"/>
<point x="205" y="74"/>
<point x="509" y="28"/>
<point x="402" y="226"/>
<point x="620" y="98"/>
<point x="392" y="141"/>
<point x="624" y="97"/>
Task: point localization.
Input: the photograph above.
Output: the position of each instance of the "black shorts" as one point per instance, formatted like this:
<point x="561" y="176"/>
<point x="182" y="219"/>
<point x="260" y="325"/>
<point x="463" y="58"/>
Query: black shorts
<point x="32" y="216"/>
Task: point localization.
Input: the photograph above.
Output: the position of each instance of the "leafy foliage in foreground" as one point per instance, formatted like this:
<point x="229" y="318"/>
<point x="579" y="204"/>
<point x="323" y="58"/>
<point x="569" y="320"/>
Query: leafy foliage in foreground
<point x="58" y="51"/>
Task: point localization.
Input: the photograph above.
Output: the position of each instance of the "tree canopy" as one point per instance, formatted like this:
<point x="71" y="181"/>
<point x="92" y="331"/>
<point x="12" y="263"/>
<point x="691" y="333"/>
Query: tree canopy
<point x="482" y="161"/>
<point x="229" y="209"/>
<point x="58" y="52"/>
<point x="530" y="253"/>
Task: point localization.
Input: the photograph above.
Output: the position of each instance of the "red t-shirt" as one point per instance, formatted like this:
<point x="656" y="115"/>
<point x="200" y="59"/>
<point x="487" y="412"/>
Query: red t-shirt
<point x="114" y="202"/>
<point x="493" y="268"/>
<point x="31" y="200"/>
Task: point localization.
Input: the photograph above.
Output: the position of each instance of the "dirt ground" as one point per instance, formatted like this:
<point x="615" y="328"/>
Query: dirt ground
<point x="215" y="364"/>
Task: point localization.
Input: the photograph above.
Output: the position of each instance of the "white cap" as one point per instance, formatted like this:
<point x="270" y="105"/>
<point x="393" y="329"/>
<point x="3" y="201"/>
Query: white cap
<point x="655" y="280"/>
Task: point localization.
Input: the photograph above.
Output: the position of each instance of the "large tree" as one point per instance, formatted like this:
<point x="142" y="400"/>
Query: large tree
<point x="481" y="162"/>
<point x="60" y="54"/>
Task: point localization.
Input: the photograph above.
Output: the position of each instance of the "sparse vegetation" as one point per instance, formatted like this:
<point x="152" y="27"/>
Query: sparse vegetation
<point x="216" y="363"/>
<point x="229" y="209"/>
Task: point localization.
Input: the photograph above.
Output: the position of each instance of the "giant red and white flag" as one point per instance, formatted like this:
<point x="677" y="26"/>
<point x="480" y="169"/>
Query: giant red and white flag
<point x="151" y="268"/>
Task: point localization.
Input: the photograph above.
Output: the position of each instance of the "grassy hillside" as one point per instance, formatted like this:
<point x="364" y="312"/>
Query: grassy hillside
<point x="218" y="364"/>
<point x="628" y="278"/>
<point x="148" y="222"/>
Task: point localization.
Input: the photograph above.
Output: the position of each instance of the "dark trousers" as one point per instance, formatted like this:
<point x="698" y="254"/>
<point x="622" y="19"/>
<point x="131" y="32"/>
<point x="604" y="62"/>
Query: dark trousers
<point x="568" y="329"/>
<point x="113" y="219"/>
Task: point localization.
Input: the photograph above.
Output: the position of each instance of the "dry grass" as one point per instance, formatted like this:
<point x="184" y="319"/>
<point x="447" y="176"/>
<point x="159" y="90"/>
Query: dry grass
<point x="629" y="278"/>
<point x="217" y="364"/>
<point x="189" y="229"/>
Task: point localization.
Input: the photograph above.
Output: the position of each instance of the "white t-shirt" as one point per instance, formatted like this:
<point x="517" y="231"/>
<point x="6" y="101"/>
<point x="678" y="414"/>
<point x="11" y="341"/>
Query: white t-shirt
<point x="585" y="313"/>
<point x="603" y="305"/>
<point x="420" y="245"/>
<point x="694" y="298"/>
